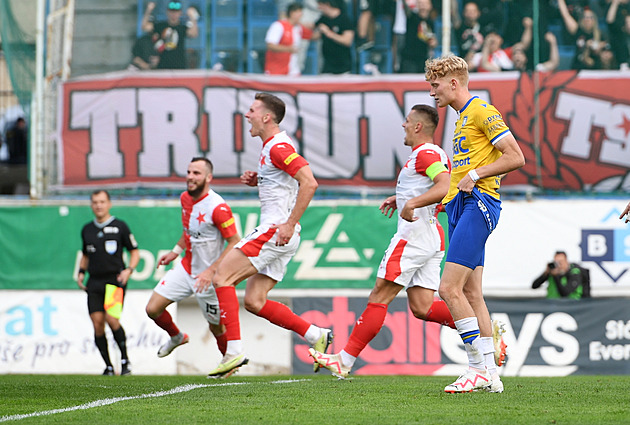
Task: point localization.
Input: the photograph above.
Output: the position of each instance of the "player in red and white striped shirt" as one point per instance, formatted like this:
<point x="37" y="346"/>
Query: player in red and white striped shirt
<point x="412" y="260"/>
<point x="286" y="186"/>
<point x="208" y="224"/>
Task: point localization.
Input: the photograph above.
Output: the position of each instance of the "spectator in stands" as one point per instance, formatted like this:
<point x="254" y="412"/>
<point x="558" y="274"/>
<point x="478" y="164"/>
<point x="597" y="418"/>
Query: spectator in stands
<point x="17" y="142"/>
<point x="336" y="31"/>
<point x="493" y="57"/>
<point x="607" y="58"/>
<point x="145" y="55"/>
<point x="587" y="35"/>
<point x="172" y="33"/>
<point x="566" y="280"/>
<point x="469" y="37"/>
<point x="493" y="14"/>
<point x="399" y="28"/>
<point x="283" y="43"/>
<point x="618" y="20"/>
<point x="369" y="10"/>
<point x="420" y="39"/>
<point x="310" y="15"/>
<point x="520" y="57"/>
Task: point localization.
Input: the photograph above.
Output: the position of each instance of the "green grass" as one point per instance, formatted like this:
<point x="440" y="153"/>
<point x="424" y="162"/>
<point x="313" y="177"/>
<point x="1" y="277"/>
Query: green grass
<point x="316" y="399"/>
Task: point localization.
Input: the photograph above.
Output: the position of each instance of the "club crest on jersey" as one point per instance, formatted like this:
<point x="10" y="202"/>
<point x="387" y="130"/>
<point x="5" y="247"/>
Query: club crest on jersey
<point x="111" y="247"/>
<point x="465" y="120"/>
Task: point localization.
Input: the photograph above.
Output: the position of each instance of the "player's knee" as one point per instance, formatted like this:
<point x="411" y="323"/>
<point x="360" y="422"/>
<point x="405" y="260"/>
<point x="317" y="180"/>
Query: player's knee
<point x="219" y="281"/>
<point x="445" y="292"/>
<point x="253" y="305"/>
<point x="473" y="295"/>
<point x="152" y="311"/>
<point x="419" y="312"/>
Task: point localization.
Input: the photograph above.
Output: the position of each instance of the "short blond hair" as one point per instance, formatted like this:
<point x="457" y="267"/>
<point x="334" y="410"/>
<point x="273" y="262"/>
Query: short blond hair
<point x="446" y="66"/>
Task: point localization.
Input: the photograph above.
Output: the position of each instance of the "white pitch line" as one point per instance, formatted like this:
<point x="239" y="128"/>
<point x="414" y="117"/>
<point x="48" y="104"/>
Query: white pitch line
<point x="108" y="401"/>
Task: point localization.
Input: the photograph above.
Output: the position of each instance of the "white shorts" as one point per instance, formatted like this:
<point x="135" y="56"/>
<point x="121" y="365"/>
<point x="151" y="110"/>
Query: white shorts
<point x="177" y="285"/>
<point x="409" y="265"/>
<point x="268" y="259"/>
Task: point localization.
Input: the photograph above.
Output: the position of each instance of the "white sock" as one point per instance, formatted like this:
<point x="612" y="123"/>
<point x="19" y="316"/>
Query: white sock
<point x="473" y="348"/>
<point x="234" y="347"/>
<point x="476" y="358"/>
<point x="347" y="359"/>
<point x="487" y="346"/>
<point x="313" y="334"/>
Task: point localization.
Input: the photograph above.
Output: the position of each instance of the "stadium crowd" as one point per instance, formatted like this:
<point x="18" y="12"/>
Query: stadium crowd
<point x="388" y="36"/>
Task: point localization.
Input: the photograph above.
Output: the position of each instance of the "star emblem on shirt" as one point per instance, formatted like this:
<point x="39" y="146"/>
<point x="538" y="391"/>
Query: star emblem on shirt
<point x="201" y="218"/>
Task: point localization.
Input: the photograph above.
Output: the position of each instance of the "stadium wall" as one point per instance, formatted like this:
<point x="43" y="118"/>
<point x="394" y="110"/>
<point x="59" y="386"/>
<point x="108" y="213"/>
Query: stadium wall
<point x="44" y="324"/>
<point x="49" y="332"/>
<point x="342" y="243"/>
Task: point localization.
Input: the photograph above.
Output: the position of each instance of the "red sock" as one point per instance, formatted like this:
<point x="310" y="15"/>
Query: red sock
<point x="228" y="302"/>
<point x="165" y="321"/>
<point x="221" y="342"/>
<point x="281" y="315"/>
<point x="439" y="313"/>
<point x="366" y="328"/>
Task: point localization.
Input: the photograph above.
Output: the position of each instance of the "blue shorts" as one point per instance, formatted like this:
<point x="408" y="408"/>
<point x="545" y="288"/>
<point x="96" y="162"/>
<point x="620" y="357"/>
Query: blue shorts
<point x="471" y="219"/>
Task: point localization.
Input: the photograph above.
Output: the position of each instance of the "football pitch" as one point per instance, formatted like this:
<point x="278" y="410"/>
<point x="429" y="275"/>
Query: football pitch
<point x="313" y="399"/>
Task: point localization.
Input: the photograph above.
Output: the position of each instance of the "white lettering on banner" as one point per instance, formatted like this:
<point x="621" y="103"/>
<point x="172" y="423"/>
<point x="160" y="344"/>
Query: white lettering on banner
<point x="383" y="110"/>
<point x="600" y="352"/>
<point x="104" y="113"/>
<point x="552" y="329"/>
<point x="617" y="329"/>
<point x="583" y="114"/>
<point x="170" y="128"/>
<point x="329" y="136"/>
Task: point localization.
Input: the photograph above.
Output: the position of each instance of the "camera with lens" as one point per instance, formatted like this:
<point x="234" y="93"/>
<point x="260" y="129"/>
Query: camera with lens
<point x="551" y="265"/>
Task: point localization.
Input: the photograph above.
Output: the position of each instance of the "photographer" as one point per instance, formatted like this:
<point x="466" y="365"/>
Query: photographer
<point x="566" y="280"/>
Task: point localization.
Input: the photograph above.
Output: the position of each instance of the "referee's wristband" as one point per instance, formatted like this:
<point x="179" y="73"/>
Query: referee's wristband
<point x="177" y="249"/>
<point x="81" y="271"/>
<point x="473" y="175"/>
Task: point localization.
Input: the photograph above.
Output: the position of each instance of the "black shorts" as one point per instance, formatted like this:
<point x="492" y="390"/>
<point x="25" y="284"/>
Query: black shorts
<point x="96" y="291"/>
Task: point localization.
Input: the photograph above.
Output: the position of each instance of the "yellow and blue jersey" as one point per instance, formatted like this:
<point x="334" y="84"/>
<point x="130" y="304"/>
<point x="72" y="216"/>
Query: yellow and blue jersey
<point x="478" y="128"/>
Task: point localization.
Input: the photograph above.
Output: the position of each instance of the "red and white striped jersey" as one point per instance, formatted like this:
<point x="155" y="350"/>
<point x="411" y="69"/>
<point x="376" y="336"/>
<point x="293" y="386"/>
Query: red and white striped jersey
<point x="207" y="223"/>
<point x="277" y="188"/>
<point x="415" y="178"/>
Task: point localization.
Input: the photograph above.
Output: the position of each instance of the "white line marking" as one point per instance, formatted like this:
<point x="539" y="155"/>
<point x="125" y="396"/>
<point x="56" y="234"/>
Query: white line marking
<point x="108" y="401"/>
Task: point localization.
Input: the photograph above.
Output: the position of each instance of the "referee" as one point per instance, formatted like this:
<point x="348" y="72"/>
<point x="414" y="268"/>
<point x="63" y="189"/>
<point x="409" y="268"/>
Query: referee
<point x="103" y="241"/>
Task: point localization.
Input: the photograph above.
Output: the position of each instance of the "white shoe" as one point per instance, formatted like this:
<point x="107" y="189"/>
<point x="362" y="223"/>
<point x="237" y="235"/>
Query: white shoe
<point x="500" y="354"/>
<point x="496" y="386"/>
<point x="472" y="380"/>
<point x="332" y="362"/>
<point x="168" y="347"/>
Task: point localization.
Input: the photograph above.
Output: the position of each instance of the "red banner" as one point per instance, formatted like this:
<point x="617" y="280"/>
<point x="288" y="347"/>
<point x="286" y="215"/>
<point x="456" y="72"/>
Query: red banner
<point x="131" y="129"/>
